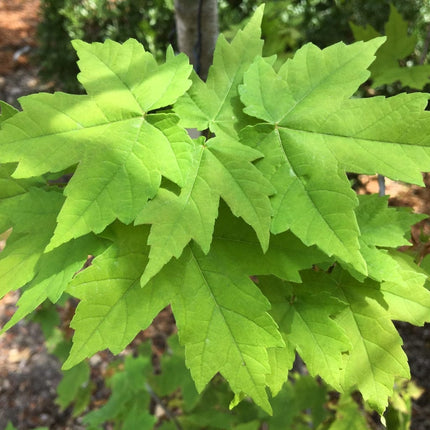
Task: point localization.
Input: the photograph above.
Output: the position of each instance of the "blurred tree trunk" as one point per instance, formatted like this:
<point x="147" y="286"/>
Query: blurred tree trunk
<point x="197" y="31"/>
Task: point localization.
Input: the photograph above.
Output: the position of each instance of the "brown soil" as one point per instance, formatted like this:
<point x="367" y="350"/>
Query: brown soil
<point x="18" y="21"/>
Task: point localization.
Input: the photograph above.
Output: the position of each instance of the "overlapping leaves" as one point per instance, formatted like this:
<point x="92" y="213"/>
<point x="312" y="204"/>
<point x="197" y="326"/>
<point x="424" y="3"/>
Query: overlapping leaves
<point x="312" y="132"/>
<point x="121" y="149"/>
<point x="290" y="207"/>
<point x="210" y="317"/>
<point x="386" y="69"/>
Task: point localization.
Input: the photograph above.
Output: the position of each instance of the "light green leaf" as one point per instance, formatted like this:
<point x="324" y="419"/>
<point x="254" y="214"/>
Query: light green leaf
<point x="113" y="307"/>
<point x="221" y="315"/>
<point x="318" y="208"/>
<point x="215" y="104"/>
<point x="305" y="314"/>
<point x="235" y="241"/>
<point x="120" y="147"/>
<point x="129" y="80"/>
<point x="221" y="168"/>
<point x="281" y="361"/>
<point x="315" y="132"/>
<point x="376" y="356"/>
<point x="6" y="111"/>
<point x="54" y="271"/>
<point x="381" y="226"/>
<point x="381" y="135"/>
<point x="384" y="226"/>
<point x="399" y="45"/>
<point x="223" y="322"/>
<point x="402" y="282"/>
<point x="408" y="299"/>
<point x="32" y="216"/>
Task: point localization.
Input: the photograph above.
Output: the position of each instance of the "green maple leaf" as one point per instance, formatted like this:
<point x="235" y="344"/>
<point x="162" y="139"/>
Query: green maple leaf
<point x="54" y="270"/>
<point x="399" y="45"/>
<point x="402" y="282"/>
<point x="26" y="212"/>
<point x="286" y="256"/>
<point x="305" y="315"/>
<point x="120" y="147"/>
<point x="281" y="361"/>
<point x="382" y="227"/>
<point x="376" y="356"/>
<point x="10" y="187"/>
<point x="113" y="307"/>
<point x="223" y="321"/>
<point x="215" y="104"/>
<point x="408" y="299"/>
<point x="6" y="111"/>
<point x="221" y="315"/>
<point x="221" y="168"/>
<point x="313" y="132"/>
<point x="23" y="262"/>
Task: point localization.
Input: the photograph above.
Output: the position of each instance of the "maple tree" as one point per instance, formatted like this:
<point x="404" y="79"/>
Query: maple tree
<point x="252" y="234"/>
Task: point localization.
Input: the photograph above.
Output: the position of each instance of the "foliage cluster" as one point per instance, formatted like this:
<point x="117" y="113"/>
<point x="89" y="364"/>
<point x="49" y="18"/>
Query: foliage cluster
<point x="252" y="234"/>
<point x="150" y="21"/>
<point x="399" y="48"/>
<point x="286" y="25"/>
<point x="135" y="386"/>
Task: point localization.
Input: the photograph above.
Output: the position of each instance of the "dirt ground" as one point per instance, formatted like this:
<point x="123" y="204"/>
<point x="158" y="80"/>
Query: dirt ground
<point x="29" y="375"/>
<point x="18" y="21"/>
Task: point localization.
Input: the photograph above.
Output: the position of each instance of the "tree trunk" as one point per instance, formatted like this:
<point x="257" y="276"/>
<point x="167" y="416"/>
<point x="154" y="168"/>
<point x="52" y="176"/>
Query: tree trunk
<point x="197" y="31"/>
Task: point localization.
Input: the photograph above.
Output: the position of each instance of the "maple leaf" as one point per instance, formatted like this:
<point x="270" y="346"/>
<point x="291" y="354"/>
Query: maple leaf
<point x="223" y="321"/>
<point x="402" y="281"/>
<point x="53" y="272"/>
<point x="215" y="104"/>
<point x="6" y="111"/>
<point x="305" y="315"/>
<point x="120" y="147"/>
<point x="382" y="227"/>
<point x="113" y="307"/>
<point x="26" y="212"/>
<point x="221" y="315"/>
<point x="281" y="361"/>
<point x="23" y="262"/>
<point x="234" y="240"/>
<point x="313" y="132"/>
<point x="376" y="356"/>
<point x="399" y="45"/>
<point x="221" y="168"/>
<point x="408" y="298"/>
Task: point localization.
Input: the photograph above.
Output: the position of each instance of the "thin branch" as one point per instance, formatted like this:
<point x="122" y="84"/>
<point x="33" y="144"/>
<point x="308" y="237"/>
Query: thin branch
<point x="166" y="410"/>
<point x="426" y="46"/>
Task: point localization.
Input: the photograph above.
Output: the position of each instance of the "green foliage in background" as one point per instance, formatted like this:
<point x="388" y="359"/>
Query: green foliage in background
<point x="302" y="402"/>
<point x="287" y="24"/>
<point x="149" y="21"/>
<point x="399" y="47"/>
